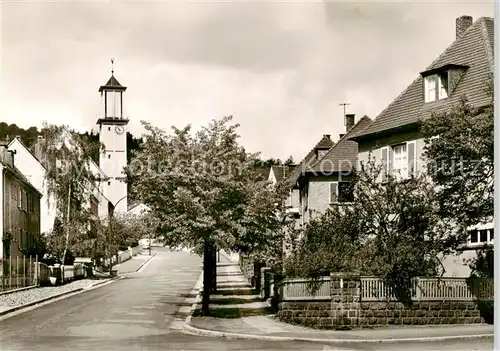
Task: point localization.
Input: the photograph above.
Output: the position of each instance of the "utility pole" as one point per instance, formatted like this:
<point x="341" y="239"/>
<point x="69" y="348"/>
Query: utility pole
<point x="344" y="104"/>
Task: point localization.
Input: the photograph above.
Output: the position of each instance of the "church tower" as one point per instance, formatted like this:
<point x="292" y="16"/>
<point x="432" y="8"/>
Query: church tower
<point x="113" y="134"/>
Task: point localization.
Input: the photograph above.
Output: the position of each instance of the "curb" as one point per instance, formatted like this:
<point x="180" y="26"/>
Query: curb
<point x="189" y="329"/>
<point x="17" y="308"/>
<point x="18" y="290"/>
<point x="54" y="297"/>
<point x="149" y="259"/>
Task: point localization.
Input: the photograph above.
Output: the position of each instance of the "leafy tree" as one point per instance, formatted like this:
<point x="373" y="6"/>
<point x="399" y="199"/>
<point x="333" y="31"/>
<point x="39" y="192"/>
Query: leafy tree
<point x="329" y="243"/>
<point x="289" y="161"/>
<point x="459" y="153"/>
<point x="70" y="182"/>
<point x="204" y="191"/>
<point x="390" y="230"/>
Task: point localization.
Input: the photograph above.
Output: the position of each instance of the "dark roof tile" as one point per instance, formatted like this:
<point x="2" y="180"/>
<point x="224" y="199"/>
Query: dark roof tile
<point x="324" y="143"/>
<point x="343" y="155"/>
<point x="473" y="49"/>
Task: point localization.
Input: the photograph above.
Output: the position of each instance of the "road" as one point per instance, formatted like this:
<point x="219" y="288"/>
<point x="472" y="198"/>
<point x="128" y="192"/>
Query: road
<point x="135" y="313"/>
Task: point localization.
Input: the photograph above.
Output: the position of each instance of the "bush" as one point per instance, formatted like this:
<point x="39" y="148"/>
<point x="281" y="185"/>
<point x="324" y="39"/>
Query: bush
<point x="482" y="267"/>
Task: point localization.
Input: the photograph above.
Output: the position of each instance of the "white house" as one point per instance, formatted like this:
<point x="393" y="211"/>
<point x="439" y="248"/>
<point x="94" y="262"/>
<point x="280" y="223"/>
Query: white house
<point x="34" y="171"/>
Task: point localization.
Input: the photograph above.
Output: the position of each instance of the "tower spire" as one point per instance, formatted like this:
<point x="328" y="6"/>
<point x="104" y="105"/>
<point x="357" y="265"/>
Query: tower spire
<point x="112" y="68"/>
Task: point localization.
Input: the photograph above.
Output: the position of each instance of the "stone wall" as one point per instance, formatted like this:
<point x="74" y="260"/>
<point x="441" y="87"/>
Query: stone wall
<point x="345" y="309"/>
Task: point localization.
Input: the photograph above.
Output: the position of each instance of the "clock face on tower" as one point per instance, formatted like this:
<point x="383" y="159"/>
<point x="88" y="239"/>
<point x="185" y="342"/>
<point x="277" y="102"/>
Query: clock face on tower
<point x="119" y="129"/>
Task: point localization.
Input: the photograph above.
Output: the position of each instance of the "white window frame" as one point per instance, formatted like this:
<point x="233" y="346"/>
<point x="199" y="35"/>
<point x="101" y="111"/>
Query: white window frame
<point x="430" y="85"/>
<point x="338" y="193"/>
<point x="489" y="240"/>
<point x="400" y="166"/>
<point x="434" y="83"/>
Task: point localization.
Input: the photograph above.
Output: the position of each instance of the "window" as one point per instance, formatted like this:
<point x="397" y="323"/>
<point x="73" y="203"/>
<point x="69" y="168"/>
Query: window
<point x="436" y="87"/>
<point x="109" y="129"/>
<point x="109" y="183"/>
<point x="341" y="192"/>
<point x="19" y="197"/>
<point x="400" y="161"/>
<point x="94" y="206"/>
<point x="321" y="153"/>
<point x="481" y="236"/>
<point x="473" y="236"/>
<point x="109" y="156"/>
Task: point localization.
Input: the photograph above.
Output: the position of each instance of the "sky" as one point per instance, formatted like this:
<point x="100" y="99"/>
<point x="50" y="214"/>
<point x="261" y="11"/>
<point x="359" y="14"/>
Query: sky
<point x="281" y="69"/>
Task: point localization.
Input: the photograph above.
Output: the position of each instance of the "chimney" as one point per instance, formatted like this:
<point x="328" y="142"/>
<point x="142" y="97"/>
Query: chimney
<point x="38" y="147"/>
<point x="349" y="121"/>
<point x="10" y="157"/>
<point x="462" y="24"/>
<point x="6" y="155"/>
<point x="341" y="135"/>
<point x="326" y="136"/>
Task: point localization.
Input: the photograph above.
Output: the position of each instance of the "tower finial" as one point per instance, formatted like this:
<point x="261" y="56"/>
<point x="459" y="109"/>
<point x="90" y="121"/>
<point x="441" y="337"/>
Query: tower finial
<point x="112" y="69"/>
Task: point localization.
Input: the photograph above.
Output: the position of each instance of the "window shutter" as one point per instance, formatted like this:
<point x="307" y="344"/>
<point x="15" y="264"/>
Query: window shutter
<point x="334" y="192"/>
<point x="385" y="152"/>
<point x="390" y="161"/>
<point x="410" y="147"/>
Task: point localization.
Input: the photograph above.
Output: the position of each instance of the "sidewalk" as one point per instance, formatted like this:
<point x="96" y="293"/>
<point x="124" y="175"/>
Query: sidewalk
<point x="240" y="313"/>
<point x="134" y="263"/>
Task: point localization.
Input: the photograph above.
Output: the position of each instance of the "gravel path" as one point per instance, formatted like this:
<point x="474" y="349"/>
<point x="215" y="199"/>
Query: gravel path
<point x="23" y="297"/>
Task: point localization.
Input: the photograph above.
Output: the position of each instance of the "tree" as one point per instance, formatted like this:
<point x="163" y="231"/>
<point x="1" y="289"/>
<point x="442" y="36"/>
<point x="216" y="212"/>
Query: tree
<point x="391" y="230"/>
<point x="70" y="183"/>
<point x="459" y="152"/>
<point x="330" y="243"/>
<point x="289" y="161"/>
<point x="204" y="191"/>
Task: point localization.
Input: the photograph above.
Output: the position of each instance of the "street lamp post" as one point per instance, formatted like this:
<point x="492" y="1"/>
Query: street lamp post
<point x="110" y="233"/>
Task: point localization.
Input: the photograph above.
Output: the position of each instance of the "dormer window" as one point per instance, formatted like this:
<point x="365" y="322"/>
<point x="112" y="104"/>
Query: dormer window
<point x="440" y="82"/>
<point x="436" y="87"/>
<point x="321" y="153"/>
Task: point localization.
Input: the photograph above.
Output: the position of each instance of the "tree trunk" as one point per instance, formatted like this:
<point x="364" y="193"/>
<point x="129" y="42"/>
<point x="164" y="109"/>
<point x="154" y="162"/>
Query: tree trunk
<point x="214" y="265"/>
<point x="207" y="279"/>
<point x="66" y="226"/>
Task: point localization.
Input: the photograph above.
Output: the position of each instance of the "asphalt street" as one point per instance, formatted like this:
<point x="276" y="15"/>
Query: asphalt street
<point x="136" y="313"/>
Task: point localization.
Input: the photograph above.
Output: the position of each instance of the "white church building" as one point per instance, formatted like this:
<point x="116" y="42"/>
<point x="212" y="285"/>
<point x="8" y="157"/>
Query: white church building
<point x="110" y="194"/>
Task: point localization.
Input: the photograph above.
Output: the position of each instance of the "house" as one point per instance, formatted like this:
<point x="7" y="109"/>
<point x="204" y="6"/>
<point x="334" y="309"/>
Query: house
<point x="19" y="208"/>
<point x="279" y="173"/>
<point x="394" y="137"/>
<point x="296" y="204"/>
<point x="138" y="208"/>
<point x="327" y="181"/>
<point x="32" y="167"/>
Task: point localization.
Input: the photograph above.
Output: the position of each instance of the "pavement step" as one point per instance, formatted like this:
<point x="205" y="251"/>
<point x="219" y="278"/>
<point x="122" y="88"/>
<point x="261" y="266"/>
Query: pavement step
<point x="237" y="292"/>
<point x="234" y="301"/>
<point x="232" y="297"/>
<point x="235" y="312"/>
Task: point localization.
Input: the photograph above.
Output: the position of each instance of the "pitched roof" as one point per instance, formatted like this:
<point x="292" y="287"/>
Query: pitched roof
<point x="473" y="49"/>
<point x="342" y="156"/>
<point x="19" y="141"/>
<point x="281" y="172"/>
<point x="112" y="84"/>
<point x="17" y="173"/>
<point x="263" y="172"/>
<point x="324" y="143"/>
